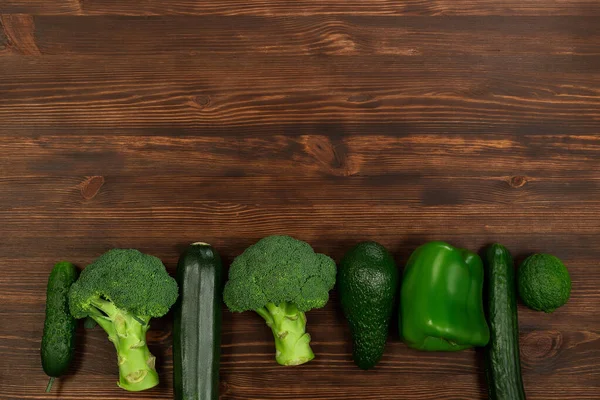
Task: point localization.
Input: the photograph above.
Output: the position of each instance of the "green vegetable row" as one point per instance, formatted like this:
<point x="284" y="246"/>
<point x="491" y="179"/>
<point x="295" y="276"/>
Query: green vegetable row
<point x="441" y="306"/>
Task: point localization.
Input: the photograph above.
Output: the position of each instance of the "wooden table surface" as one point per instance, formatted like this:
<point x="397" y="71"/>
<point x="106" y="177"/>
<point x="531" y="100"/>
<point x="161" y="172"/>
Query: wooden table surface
<point x="151" y="124"/>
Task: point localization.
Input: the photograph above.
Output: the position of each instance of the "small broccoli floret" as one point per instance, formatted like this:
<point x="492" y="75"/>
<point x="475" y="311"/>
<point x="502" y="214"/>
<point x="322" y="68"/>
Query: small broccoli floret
<point x="281" y="278"/>
<point x="122" y="290"/>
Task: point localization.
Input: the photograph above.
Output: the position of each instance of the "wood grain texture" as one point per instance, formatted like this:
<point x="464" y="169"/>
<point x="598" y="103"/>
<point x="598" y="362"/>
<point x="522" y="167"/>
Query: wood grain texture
<point x="303" y="7"/>
<point x="308" y="35"/>
<point x="522" y="157"/>
<point x="152" y="124"/>
<point x="478" y="94"/>
<point x="19" y="33"/>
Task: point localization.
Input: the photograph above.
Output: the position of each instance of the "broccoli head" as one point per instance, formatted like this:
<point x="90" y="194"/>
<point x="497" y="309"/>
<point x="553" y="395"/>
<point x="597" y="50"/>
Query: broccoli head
<point x="281" y="278"/>
<point x="122" y="290"/>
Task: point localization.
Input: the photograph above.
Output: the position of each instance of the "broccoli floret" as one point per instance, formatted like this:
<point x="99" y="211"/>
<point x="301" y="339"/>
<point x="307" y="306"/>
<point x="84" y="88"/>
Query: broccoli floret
<point x="281" y="278"/>
<point x="122" y="290"/>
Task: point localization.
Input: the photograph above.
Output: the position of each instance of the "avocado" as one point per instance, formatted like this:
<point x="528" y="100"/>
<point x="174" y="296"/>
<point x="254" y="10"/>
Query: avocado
<point x="367" y="285"/>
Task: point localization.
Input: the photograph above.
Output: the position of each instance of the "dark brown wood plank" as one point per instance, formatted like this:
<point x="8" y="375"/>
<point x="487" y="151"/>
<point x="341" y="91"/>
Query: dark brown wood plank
<point x="510" y="159"/>
<point x="244" y="221"/>
<point x="82" y="249"/>
<point x="51" y="192"/>
<point x="538" y="93"/>
<point x="304" y="7"/>
<point x="321" y="35"/>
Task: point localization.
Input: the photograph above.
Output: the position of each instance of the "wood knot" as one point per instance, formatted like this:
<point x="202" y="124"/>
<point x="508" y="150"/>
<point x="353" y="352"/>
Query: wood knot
<point x="364" y="100"/>
<point x="541" y="345"/>
<point x="517" y="181"/>
<point x="360" y="98"/>
<point x="223" y="388"/>
<point x="91" y="186"/>
<point x="201" y="101"/>
<point x="332" y="156"/>
<point x="20" y="33"/>
<point x="342" y="43"/>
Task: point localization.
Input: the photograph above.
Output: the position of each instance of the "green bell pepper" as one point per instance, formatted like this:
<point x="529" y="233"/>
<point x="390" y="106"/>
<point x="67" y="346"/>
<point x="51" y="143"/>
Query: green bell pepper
<point x="441" y="305"/>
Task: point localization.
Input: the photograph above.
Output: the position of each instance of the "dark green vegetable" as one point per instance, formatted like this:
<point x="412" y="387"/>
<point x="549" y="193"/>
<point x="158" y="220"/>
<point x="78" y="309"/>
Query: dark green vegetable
<point x="544" y="282"/>
<point x="197" y="325"/>
<point x="58" y="340"/>
<point x="441" y="299"/>
<point x="502" y="363"/>
<point x="367" y="284"/>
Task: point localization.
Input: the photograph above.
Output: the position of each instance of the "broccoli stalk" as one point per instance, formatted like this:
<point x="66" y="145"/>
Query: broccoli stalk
<point x="292" y="343"/>
<point x="128" y="333"/>
<point x="122" y="290"/>
<point x="281" y="278"/>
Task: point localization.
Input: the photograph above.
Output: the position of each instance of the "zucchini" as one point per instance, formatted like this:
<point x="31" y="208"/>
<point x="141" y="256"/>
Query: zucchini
<point x="197" y="324"/>
<point x="58" y="340"/>
<point x="502" y="362"/>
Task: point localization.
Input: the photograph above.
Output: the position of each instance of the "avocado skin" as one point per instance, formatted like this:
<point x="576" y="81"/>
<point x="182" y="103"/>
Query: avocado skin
<point x="367" y="284"/>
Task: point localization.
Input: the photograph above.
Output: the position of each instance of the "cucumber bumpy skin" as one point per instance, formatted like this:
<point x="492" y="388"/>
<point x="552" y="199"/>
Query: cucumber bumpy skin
<point x="58" y="340"/>
<point x="502" y="362"/>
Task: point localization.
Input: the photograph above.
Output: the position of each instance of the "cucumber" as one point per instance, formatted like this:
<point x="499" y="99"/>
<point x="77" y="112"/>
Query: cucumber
<point x="58" y="340"/>
<point x="197" y="324"/>
<point x="502" y="362"/>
